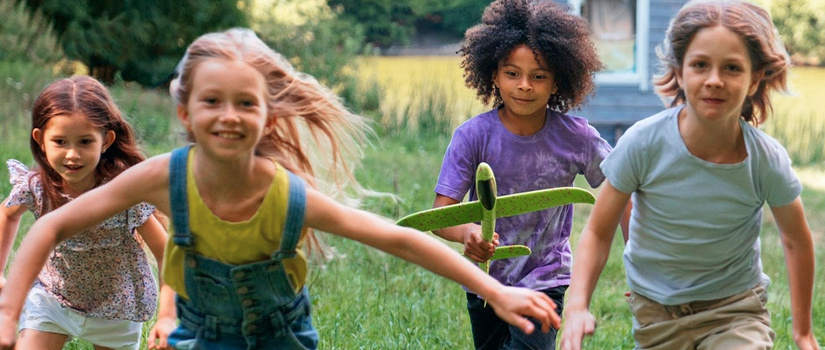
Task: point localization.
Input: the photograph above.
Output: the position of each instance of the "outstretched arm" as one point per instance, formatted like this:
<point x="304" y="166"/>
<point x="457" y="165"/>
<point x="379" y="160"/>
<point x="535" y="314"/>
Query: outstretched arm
<point x="589" y="260"/>
<point x="9" y="224"/>
<point x="799" y="257"/>
<point x="475" y="247"/>
<point x="511" y="304"/>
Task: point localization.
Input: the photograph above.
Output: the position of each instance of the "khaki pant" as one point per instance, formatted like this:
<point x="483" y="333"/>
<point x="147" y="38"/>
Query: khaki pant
<point x="738" y="322"/>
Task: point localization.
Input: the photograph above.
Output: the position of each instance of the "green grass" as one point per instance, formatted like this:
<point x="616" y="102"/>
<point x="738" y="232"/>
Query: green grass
<point x="365" y="299"/>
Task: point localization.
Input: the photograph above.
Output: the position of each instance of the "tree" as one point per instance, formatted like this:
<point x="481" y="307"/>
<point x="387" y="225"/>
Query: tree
<point x="801" y="24"/>
<point x="388" y="22"/>
<point x="26" y="37"/>
<point x="142" y="40"/>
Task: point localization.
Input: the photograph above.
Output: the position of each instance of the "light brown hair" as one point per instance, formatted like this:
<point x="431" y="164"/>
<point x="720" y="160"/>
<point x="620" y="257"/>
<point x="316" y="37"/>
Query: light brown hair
<point x="749" y="21"/>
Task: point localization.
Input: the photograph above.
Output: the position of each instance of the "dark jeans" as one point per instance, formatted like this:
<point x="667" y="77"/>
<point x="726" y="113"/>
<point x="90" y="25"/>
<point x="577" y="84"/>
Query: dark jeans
<point x="492" y="333"/>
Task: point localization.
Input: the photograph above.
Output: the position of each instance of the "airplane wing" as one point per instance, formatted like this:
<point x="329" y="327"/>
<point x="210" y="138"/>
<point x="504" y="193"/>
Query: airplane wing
<point x="441" y="217"/>
<point x="525" y="202"/>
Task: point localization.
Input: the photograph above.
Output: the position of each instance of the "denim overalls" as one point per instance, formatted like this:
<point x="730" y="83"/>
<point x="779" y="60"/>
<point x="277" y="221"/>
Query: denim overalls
<point x="251" y="306"/>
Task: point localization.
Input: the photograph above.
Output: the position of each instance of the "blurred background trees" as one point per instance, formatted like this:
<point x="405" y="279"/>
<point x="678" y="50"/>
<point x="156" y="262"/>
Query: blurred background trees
<point x="142" y="40"/>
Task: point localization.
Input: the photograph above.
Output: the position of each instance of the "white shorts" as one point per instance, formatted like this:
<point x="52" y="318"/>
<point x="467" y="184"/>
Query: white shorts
<point x="44" y="313"/>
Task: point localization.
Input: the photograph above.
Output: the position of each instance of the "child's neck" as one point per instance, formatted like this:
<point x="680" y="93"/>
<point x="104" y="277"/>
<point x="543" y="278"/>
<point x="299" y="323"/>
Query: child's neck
<point x="721" y="144"/>
<point x="233" y="191"/>
<point x="522" y="125"/>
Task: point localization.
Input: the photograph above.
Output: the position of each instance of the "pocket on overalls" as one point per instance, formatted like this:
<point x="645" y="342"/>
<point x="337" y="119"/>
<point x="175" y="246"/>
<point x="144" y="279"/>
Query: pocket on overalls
<point x="302" y="333"/>
<point x="211" y="290"/>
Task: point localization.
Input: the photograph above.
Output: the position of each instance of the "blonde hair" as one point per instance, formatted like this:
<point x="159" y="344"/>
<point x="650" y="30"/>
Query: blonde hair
<point x="303" y="110"/>
<point x="749" y="21"/>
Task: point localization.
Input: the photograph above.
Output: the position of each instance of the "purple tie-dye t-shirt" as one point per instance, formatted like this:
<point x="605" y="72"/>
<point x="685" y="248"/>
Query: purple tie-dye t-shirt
<point x="565" y="147"/>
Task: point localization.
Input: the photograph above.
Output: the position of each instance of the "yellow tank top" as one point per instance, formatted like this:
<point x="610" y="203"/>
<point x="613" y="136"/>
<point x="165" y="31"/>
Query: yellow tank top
<point x="235" y="243"/>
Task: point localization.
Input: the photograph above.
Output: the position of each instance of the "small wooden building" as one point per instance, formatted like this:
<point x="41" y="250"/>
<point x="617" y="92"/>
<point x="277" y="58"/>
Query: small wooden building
<point x="626" y="33"/>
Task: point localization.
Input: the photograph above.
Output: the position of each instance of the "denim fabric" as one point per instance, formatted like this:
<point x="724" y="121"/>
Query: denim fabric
<point x="250" y="306"/>
<point x="491" y="333"/>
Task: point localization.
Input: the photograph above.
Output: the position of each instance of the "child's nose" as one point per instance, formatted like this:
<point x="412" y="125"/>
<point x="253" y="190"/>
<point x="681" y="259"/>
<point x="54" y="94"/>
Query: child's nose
<point x="72" y="153"/>
<point x="714" y="79"/>
<point x="525" y="85"/>
<point x="230" y="114"/>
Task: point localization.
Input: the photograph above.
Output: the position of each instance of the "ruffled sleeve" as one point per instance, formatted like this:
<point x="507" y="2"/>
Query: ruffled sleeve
<point x="26" y="188"/>
<point x="139" y="214"/>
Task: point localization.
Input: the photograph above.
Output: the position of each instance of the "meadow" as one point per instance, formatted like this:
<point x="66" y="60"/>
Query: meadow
<point x="365" y="299"/>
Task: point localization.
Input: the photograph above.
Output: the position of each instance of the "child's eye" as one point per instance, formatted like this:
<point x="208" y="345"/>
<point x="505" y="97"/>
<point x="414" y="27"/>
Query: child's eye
<point x="699" y="64"/>
<point x="540" y="77"/>
<point x="734" y="68"/>
<point x="210" y="100"/>
<point x="86" y="141"/>
<point x="511" y="74"/>
<point x="59" y="142"/>
<point x="248" y="103"/>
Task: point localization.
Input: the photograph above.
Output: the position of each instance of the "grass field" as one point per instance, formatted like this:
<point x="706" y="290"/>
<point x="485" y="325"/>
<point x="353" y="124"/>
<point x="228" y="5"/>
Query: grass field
<point x="365" y="299"/>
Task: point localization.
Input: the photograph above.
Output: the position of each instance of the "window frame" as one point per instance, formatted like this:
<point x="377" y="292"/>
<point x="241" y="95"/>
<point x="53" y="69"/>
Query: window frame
<point x="642" y="47"/>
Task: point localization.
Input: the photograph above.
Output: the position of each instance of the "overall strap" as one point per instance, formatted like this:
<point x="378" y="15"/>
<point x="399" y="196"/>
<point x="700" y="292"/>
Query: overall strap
<point x="296" y="209"/>
<point x="178" y="200"/>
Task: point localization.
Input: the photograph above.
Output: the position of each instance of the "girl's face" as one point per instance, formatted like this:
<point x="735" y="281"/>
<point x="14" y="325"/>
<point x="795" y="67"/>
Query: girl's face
<point x="716" y="75"/>
<point x="73" y="147"/>
<point x="525" y="85"/>
<point x="226" y="111"/>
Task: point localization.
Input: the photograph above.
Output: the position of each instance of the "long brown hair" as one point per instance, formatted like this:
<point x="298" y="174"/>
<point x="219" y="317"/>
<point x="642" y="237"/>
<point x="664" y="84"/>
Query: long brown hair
<point x="749" y="21"/>
<point x="85" y="97"/>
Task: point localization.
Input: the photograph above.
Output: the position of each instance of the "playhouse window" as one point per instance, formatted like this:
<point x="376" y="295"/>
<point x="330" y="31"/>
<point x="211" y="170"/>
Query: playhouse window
<point x="620" y="34"/>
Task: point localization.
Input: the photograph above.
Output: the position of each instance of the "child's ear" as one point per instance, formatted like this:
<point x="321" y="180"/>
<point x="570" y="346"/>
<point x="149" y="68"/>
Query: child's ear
<point x="183" y="116"/>
<point x="109" y="139"/>
<point x="678" y="75"/>
<point x="37" y="136"/>
<point x="756" y="78"/>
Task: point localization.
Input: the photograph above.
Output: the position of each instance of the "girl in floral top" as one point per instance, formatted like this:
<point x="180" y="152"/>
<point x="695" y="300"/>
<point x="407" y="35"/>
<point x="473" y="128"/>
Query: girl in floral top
<point x="98" y="284"/>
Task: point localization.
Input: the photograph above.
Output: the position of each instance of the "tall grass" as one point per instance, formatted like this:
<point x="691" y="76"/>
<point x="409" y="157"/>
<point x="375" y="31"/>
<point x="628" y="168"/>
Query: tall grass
<point x="798" y="121"/>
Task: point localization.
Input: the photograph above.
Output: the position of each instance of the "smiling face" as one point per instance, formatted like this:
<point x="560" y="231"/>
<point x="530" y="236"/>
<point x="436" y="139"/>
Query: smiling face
<point x="716" y="75"/>
<point x="73" y="146"/>
<point x="226" y="109"/>
<point x="525" y="84"/>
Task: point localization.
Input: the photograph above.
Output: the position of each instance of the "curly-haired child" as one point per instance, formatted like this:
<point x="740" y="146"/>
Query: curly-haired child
<point x="535" y="62"/>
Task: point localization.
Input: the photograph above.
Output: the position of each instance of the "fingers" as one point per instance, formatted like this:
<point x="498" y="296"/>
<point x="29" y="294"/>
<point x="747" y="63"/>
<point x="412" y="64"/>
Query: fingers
<point x="478" y="249"/>
<point x="576" y="325"/>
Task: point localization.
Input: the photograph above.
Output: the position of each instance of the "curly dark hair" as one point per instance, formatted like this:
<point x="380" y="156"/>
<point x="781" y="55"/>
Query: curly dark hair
<point x="550" y="31"/>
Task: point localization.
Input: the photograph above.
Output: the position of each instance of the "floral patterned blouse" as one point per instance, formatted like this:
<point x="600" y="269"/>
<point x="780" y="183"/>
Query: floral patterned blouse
<point x="101" y="272"/>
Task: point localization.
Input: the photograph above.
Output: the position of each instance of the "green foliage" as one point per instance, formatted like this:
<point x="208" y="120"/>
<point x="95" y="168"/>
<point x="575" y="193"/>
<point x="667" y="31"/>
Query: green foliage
<point x="142" y="40"/>
<point x="25" y="36"/>
<point x="390" y="22"/>
<point x="318" y="43"/>
<point x="801" y="24"/>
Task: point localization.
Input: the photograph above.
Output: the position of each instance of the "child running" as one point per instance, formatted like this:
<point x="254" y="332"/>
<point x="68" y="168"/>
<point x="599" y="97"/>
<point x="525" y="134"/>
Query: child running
<point x="535" y="62"/>
<point x="96" y="285"/>
<point x="239" y="205"/>
<point x="699" y="174"/>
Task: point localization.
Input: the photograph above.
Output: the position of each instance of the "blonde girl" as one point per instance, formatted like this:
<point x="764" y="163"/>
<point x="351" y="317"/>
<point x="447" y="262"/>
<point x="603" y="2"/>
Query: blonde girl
<point x="240" y="207"/>
<point x="96" y="285"/>
<point x="699" y="174"/>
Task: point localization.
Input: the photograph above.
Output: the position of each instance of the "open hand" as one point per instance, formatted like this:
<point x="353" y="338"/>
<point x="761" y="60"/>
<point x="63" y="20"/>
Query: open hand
<point x="514" y="305"/>
<point x="577" y="324"/>
<point x="8" y="332"/>
<point x="159" y="334"/>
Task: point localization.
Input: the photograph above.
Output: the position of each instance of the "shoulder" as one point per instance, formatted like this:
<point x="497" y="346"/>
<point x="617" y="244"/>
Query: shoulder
<point x="480" y="123"/>
<point x="652" y="129"/>
<point x="26" y="186"/>
<point x="765" y="148"/>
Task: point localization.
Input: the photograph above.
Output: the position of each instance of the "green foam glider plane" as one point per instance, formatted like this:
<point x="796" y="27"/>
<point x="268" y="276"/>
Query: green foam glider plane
<point x="490" y="206"/>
